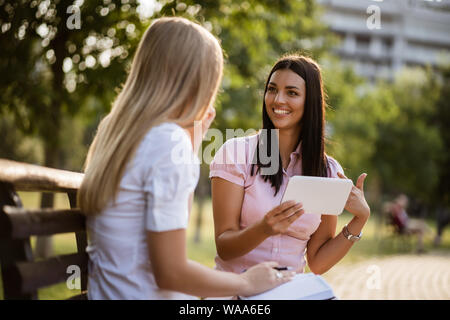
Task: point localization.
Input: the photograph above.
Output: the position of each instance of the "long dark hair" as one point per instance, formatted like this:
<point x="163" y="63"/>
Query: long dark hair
<point x="312" y="135"/>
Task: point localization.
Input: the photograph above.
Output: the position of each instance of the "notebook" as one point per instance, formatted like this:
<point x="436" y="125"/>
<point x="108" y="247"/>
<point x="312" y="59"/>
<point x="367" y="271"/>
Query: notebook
<point x="304" y="286"/>
<point x="319" y="195"/>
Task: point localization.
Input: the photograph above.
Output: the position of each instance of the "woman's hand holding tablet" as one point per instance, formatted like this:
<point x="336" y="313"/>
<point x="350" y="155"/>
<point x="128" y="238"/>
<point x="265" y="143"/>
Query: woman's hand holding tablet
<point x="279" y="219"/>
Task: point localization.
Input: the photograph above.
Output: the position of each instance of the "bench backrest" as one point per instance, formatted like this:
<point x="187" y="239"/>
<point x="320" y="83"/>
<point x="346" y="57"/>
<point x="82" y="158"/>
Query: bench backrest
<point x="22" y="276"/>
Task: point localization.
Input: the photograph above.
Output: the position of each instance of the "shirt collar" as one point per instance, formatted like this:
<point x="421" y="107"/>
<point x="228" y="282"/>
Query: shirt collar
<point x="297" y="150"/>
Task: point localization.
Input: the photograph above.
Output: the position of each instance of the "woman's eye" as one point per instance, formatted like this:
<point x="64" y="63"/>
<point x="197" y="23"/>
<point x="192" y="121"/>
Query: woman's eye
<point x="292" y="93"/>
<point x="271" y="89"/>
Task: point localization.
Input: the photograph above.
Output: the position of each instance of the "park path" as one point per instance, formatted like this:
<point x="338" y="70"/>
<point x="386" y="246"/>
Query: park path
<point x="401" y="277"/>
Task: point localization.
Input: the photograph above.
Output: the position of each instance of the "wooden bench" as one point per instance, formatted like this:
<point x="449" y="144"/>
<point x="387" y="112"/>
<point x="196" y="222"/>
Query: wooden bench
<point x="22" y="276"/>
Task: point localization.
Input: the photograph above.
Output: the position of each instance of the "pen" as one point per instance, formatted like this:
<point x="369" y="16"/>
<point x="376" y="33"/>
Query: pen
<point x="282" y="268"/>
<point x="277" y="268"/>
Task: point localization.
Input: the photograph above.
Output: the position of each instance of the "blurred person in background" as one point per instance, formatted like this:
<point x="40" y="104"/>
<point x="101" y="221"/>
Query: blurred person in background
<point x="406" y="225"/>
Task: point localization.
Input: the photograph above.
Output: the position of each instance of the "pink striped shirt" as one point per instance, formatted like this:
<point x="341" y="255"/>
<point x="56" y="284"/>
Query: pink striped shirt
<point x="232" y="162"/>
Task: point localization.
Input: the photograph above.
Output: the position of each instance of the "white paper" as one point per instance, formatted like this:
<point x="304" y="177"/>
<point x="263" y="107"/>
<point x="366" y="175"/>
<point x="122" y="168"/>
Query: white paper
<point x="304" y="286"/>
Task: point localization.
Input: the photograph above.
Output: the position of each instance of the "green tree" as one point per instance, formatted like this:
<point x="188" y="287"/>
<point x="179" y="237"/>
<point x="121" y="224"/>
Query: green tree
<point x="395" y="131"/>
<point x="409" y="146"/>
<point x="55" y="55"/>
<point x="54" y="74"/>
<point x="50" y="65"/>
<point x="441" y="120"/>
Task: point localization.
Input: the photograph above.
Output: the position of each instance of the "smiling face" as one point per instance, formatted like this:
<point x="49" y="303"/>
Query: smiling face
<point x="285" y="99"/>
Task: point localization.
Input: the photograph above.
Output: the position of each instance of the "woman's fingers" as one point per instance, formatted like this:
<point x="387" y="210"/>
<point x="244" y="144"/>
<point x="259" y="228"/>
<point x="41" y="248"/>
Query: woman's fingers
<point x="270" y="264"/>
<point x="281" y="217"/>
<point x="295" y="216"/>
<point x="341" y="175"/>
<point x="281" y="208"/>
<point x="285" y="219"/>
<point x="289" y="211"/>
<point x="288" y="274"/>
<point x="360" y="181"/>
<point x="284" y="276"/>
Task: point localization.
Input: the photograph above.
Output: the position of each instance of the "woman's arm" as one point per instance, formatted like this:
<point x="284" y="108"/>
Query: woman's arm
<point x="231" y="242"/>
<point x="173" y="271"/>
<point x="324" y="250"/>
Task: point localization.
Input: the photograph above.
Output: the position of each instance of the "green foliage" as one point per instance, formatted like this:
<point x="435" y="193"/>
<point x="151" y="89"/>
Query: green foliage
<point x="17" y="146"/>
<point x="57" y="84"/>
<point x="52" y="73"/>
<point x="409" y="145"/>
<point x="49" y="70"/>
<point x="396" y="132"/>
<point x="441" y="120"/>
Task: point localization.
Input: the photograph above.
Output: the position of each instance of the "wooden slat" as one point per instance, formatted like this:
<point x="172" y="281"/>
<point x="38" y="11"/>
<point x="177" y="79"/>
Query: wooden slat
<point x="12" y="250"/>
<point x="81" y="237"/>
<point x="28" y="177"/>
<point x="82" y="296"/>
<point x="22" y="223"/>
<point x="32" y="276"/>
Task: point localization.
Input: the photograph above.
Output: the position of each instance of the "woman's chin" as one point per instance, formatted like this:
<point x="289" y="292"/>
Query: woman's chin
<point x="282" y="123"/>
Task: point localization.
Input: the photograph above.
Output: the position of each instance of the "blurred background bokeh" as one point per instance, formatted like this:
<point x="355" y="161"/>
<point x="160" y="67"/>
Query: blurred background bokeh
<point x="386" y="68"/>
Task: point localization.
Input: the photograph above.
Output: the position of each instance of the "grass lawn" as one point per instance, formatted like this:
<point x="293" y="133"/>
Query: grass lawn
<point x="377" y="241"/>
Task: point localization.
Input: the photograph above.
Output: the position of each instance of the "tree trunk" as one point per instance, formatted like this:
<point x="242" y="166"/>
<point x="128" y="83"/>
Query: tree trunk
<point x="51" y="130"/>
<point x="44" y="244"/>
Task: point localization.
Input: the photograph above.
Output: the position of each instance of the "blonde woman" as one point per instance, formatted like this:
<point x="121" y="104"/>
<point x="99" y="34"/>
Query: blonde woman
<point x="141" y="173"/>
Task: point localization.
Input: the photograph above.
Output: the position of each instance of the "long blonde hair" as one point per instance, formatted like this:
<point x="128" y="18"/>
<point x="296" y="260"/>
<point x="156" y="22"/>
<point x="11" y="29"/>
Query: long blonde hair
<point x="174" y="77"/>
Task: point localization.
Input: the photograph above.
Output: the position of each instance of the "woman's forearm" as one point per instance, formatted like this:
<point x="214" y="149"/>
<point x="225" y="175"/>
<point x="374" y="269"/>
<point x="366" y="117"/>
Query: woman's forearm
<point x="333" y="250"/>
<point x="195" y="279"/>
<point x="233" y="244"/>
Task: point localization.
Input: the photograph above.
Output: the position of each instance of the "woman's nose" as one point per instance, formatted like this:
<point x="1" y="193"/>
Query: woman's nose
<point x="280" y="98"/>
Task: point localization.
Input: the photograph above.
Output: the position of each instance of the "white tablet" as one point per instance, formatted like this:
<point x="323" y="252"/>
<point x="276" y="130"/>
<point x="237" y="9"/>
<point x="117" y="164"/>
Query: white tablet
<point x="319" y="195"/>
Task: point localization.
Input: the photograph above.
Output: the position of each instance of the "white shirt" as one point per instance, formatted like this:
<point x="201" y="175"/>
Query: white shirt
<point x="153" y="195"/>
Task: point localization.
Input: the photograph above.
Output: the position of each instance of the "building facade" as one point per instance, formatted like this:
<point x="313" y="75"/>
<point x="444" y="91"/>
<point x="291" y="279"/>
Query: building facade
<point x="380" y="37"/>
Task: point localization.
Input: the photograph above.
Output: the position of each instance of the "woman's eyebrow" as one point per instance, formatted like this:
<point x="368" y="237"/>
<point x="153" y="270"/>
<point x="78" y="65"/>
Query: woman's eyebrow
<point x="287" y="87"/>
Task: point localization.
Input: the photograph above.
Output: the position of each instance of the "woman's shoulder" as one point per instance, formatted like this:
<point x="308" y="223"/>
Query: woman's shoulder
<point x="167" y="132"/>
<point x="250" y="140"/>
<point x="165" y="136"/>
<point x="238" y="150"/>
<point x="166" y="142"/>
<point x="333" y="166"/>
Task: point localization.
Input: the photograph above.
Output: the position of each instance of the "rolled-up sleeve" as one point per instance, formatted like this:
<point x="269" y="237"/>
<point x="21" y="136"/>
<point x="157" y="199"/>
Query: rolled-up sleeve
<point x="333" y="168"/>
<point x="229" y="163"/>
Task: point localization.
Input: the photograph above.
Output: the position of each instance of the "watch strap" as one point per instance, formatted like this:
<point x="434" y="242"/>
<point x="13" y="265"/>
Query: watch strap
<point x="350" y="236"/>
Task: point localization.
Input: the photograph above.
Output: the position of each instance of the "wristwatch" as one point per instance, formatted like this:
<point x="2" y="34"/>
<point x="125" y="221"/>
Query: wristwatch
<point x="350" y="236"/>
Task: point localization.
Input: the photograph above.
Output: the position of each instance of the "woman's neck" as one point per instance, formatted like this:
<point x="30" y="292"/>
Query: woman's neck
<point x="288" y="141"/>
